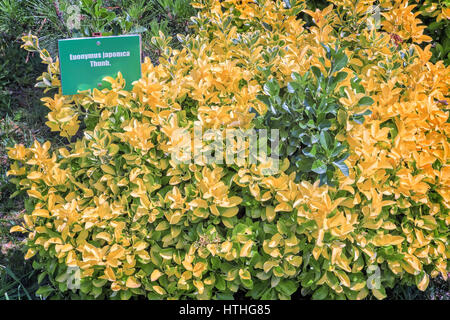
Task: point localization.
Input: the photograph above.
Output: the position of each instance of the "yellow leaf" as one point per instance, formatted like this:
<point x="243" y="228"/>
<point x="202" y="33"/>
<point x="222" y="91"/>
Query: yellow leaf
<point x="159" y="290"/>
<point x="17" y="229"/>
<point x="343" y="277"/>
<point x="155" y="275"/>
<point x="283" y="207"/>
<point x="214" y="210"/>
<point x="35" y="194"/>
<point x="228" y="223"/>
<point x="40" y="213"/>
<point x="266" y="196"/>
<point x="34" y="175"/>
<point x="201" y="213"/>
<point x="232" y="202"/>
<point x="230" y="212"/>
<point x="104" y="236"/>
<point x="246" y="248"/>
<point x="316" y="252"/>
<point x="199" y="285"/>
<point x="244" y="274"/>
<point x="387" y="240"/>
<point x="268" y="265"/>
<point x="140" y="245"/>
<point x="31" y="252"/>
<point x="198" y="269"/>
<point x="358" y="286"/>
<point x="378" y="294"/>
<point x="109" y="273"/>
<point x="362" y="294"/>
<point x="423" y="284"/>
<point x="296" y="261"/>
<point x="226" y="246"/>
<point x="285" y="165"/>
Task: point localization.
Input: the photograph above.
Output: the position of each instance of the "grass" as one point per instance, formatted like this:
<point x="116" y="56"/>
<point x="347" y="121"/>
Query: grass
<point x="18" y="280"/>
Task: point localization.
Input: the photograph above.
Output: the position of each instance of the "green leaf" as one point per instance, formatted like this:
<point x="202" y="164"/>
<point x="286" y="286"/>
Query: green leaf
<point x="310" y="151"/>
<point x="287" y="287"/>
<point x="264" y="99"/>
<point x="41" y="277"/>
<point x="359" y="117"/>
<point x="434" y="25"/>
<point x="271" y="88"/>
<point x="248" y="283"/>
<point x="270" y="294"/>
<point x="44" y="291"/>
<point x="365" y="101"/>
<point x="342" y="166"/>
<point x="292" y="87"/>
<point x="379" y="293"/>
<point x="296" y="76"/>
<point x="321" y="293"/>
<point x="338" y="78"/>
<point x="224" y="296"/>
<point x="339" y="62"/>
<point x="125" y="294"/>
<point x="317" y="72"/>
<point x="304" y="164"/>
<point x="342" y="117"/>
<point x="258" y="289"/>
<point x="319" y="167"/>
<point x="325" y="140"/>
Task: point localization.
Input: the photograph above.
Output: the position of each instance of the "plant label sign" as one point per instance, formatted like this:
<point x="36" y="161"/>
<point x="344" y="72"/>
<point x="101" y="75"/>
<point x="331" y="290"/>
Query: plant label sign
<point x="84" y="62"/>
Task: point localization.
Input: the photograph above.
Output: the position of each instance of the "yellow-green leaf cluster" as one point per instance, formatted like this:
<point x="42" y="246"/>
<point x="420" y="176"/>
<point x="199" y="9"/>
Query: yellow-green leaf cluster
<point x="114" y="204"/>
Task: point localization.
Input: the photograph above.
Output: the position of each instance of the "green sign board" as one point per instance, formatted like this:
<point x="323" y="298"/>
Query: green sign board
<point x="84" y="62"/>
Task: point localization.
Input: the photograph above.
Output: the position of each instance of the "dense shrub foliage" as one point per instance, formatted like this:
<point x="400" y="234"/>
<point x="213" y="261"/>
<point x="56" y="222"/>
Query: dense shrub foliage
<point x="309" y="116"/>
<point x="361" y="199"/>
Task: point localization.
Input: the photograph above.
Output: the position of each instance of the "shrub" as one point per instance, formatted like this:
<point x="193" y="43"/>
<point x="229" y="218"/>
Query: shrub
<point x="436" y="15"/>
<point x="114" y="204"/>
